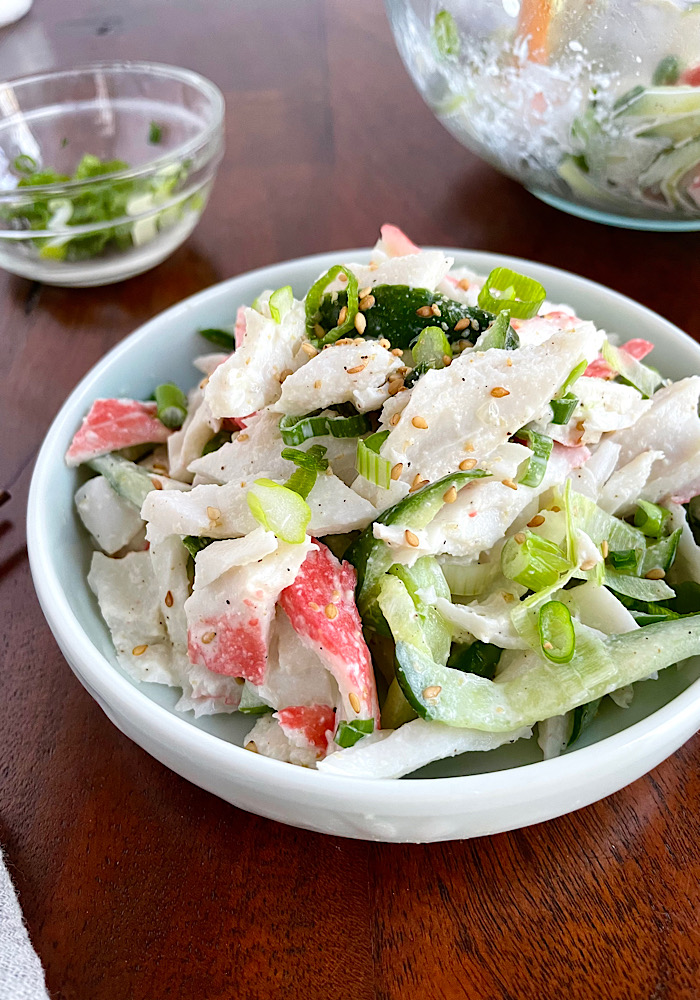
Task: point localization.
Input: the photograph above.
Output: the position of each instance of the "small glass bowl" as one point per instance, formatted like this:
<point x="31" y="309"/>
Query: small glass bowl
<point x="129" y="152"/>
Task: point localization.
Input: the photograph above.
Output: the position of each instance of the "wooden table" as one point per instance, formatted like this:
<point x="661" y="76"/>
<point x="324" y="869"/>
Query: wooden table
<point x="135" y="884"/>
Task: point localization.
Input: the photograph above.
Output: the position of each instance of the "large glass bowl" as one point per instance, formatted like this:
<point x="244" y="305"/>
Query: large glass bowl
<point x="104" y="170"/>
<point x="594" y="105"/>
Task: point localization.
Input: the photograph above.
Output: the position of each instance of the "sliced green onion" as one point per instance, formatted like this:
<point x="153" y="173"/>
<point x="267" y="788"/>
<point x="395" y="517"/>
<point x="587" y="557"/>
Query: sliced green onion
<point x="155" y="133"/>
<point x="667" y="72"/>
<point x="445" y="35"/>
<point x="195" y="543"/>
<point x="534" y="562"/>
<point x="311" y="459"/>
<point x="562" y="409"/>
<point x="350" y="732"/>
<point x="640" y="376"/>
<point x="478" y="658"/>
<point x="313" y="302"/>
<point x="218" y="441"/>
<point x="24" y="164"/>
<point x="431" y="347"/>
<point x="573" y="376"/>
<point x="627" y="561"/>
<point x="368" y="462"/>
<point x="280" y="510"/>
<point x="662" y="554"/>
<point x="506" y="289"/>
<point x="541" y="447"/>
<point x="172" y="405"/>
<point x="296" y="430"/>
<point x="222" y="338"/>
<point x="500" y="334"/>
<point x="251" y="703"/>
<point x="651" y="519"/>
<point x="557" y="635"/>
<point x="583" y="716"/>
<point x="281" y="302"/>
<point x="302" y="481"/>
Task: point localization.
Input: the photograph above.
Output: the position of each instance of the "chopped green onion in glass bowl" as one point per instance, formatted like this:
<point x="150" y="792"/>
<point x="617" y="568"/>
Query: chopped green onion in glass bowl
<point x="594" y="105"/>
<point x="104" y="170"/>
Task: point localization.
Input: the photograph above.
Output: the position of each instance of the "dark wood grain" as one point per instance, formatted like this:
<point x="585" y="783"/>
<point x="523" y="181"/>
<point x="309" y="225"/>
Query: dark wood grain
<point x="139" y="886"/>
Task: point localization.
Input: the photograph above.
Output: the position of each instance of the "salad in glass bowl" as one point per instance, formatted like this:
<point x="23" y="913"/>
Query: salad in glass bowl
<point x="595" y="107"/>
<point x="416" y="513"/>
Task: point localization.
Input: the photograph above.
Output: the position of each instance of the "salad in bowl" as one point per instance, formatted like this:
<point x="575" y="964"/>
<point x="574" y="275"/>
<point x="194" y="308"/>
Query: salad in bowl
<point x="416" y="513"/>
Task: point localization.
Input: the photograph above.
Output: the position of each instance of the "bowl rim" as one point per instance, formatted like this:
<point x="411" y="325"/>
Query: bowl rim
<point x="153" y="69"/>
<point x="103" y="681"/>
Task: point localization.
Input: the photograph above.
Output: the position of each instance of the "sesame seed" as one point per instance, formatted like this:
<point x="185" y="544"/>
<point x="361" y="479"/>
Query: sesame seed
<point x="396" y="385"/>
<point x="242" y="436"/>
<point x="156" y="483"/>
<point x="580" y="426"/>
<point x="383" y="342"/>
<point x="555" y="509"/>
<point x="309" y="349"/>
<point x="356" y="369"/>
<point x="451" y="495"/>
<point x="587" y="564"/>
<point x="139" y="650"/>
<point x="509" y="362"/>
<point x="417" y="482"/>
<point x="474" y="325"/>
<point x="467" y="463"/>
<point x="395" y="419"/>
<point x="169" y="599"/>
<point x="360" y="322"/>
<point x="314" y="606"/>
<point x="536" y="521"/>
<point x="364" y="292"/>
<point x="284" y="375"/>
<point x="464" y="284"/>
<point x="507" y="596"/>
<point x="435" y="310"/>
<point x="468" y="446"/>
<point x="208" y="637"/>
<point x="330" y="611"/>
<point x="342" y="315"/>
<point x="204" y="383"/>
<point x="547" y="645"/>
<point x="520" y="537"/>
<point x="510" y="484"/>
<point x="655" y="574"/>
<point x="317" y="383"/>
<point x="398" y="468"/>
<point x="354" y="701"/>
<point x="462" y="324"/>
<point x="446" y="360"/>
<point x="360" y="340"/>
<point x="420" y="422"/>
<point x="250" y="745"/>
<point x="213" y="513"/>
<point x="366" y="302"/>
<point x="319" y="331"/>
<point x="397" y="352"/>
<point x="498" y="391"/>
<point x="432" y="692"/>
<point x="424" y="312"/>
<point x="411" y="539"/>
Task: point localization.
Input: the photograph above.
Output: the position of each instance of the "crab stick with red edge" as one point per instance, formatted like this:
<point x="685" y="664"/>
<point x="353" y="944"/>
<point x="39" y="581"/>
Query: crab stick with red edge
<point x="312" y="725"/>
<point x="320" y="604"/>
<point x="113" y="424"/>
<point x="636" y="347"/>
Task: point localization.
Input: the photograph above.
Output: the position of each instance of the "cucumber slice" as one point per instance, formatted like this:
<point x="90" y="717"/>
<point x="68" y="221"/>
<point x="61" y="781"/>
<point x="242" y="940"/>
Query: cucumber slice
<point x="677" y="129"/>
<point x="582" y="186"/>
<point x="663" y="101"/>
<point x="132" y="482"/>
<point x="669" y="169"/>
<point x="251" y="703"/>
<point x="372" y="557"/>
<point x="394" y="314"/>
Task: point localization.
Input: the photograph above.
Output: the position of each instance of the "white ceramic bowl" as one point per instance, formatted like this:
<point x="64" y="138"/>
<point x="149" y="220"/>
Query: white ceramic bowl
<point x="468" y="796"/>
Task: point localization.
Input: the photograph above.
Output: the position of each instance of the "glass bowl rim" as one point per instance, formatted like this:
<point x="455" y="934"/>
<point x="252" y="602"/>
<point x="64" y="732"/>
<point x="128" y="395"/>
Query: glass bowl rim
<point x="163" y="70"/>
